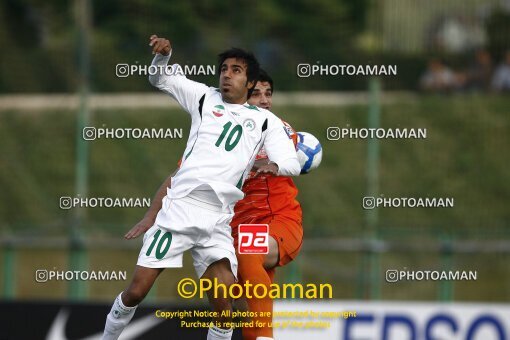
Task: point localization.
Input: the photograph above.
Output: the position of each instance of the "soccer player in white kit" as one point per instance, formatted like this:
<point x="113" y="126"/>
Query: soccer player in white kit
<point x="225" y="136"/>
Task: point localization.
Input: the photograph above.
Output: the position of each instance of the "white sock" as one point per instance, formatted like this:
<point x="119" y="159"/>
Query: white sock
<point x="216" y="333"/>
<point x="117" y="319"/>
<point x="264" y="338"/>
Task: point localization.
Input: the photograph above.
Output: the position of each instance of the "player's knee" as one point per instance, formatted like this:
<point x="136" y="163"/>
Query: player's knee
<point x="273" y="256"/>
<point x="228" y="280"/>
<point x="220" y="272"/>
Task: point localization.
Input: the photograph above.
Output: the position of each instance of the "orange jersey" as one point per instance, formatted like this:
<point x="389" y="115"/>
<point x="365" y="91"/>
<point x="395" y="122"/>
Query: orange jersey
<point x="267" y="195"/>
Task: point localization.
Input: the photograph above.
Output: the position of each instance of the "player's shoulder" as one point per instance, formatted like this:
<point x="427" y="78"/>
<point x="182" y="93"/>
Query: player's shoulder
<point x="286" y="124"/>
<point x="278" y="122"/>
<point x="214" y="92"/>
<point x="252" y="111"/>
<point x="268" y="114"/>
<point x="213" y="96"/>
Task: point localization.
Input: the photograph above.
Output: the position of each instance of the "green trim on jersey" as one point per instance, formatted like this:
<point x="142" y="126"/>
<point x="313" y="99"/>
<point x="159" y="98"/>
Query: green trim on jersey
<point x="200" y="106"/>
<point x="239" y="184"/>
<point x="253" y="107"/>
<point x="189" y="153"/>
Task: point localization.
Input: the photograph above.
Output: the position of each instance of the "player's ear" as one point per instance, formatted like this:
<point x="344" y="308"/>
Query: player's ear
<point x="250" y="84"/>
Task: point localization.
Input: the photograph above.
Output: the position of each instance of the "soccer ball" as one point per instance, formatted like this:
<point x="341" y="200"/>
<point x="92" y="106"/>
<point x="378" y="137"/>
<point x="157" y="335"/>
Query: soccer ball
<point x="309" y="151"/>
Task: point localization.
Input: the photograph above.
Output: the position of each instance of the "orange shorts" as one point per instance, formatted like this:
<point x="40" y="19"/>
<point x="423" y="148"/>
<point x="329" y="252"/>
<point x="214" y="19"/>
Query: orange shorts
<point x="287" y="232"/>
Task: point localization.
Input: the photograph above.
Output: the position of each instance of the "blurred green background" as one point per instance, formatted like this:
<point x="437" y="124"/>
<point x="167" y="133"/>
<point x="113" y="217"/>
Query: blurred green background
<point x="56" y="48"/>
<point x="41" y="41"/>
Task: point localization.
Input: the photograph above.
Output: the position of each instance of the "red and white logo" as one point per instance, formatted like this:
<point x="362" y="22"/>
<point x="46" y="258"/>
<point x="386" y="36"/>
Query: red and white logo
<point x="253" y="239"/>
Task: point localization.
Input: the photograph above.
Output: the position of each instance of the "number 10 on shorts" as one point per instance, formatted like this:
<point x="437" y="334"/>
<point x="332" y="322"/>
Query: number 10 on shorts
<point x="253" y="239"/>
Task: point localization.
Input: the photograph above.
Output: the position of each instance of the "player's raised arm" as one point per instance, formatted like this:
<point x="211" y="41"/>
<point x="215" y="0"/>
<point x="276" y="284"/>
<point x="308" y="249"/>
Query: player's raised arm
<point x="160" y="45"/>
<point x="171" y="79"/>
<point x="280" y="149"/>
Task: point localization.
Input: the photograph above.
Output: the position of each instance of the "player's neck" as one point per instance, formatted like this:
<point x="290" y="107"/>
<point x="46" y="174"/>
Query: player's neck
<point x="235" y="102"/>
<point x="238" y="101"/>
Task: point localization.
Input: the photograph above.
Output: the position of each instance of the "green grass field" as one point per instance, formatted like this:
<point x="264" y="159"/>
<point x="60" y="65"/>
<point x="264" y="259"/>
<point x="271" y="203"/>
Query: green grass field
<point x="463" y="157"/>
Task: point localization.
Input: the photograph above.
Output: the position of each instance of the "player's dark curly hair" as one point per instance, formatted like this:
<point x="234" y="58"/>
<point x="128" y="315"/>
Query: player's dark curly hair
<point x="252" y="64"/>
<point x="265" y="78"/>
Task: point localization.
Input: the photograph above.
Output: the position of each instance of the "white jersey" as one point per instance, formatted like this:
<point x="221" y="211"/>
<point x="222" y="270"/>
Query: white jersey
<point x="224" y="139"/>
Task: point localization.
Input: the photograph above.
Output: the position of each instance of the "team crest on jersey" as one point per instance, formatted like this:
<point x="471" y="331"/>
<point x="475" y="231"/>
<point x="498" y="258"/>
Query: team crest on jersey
<point x="249" y="124"/>
<point x="219" y="110"/>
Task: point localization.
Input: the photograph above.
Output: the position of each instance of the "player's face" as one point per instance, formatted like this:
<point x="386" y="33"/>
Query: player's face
<point x="234" y="84"/>
<point x="262" y="95"/>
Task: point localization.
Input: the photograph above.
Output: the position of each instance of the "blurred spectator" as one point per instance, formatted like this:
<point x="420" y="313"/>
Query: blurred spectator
<point x="501" y="79"/>
<point x="457" y="34"/>
<point x="452" y="36"/>
<point x="439" y="78"/>
<point x="478" y="76"/>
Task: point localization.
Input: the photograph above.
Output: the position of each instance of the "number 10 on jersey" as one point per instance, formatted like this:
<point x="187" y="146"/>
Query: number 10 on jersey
<point x="233" y="136"/>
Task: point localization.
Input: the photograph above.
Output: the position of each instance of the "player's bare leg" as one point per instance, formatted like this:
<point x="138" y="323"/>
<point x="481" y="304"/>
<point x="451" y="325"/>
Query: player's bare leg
<point x="259" y="269"/>
<point x="221" y="271"/>
<point x="141" y="284"/>
<point x="125" y="304"/>
<point x="273" y="256"/>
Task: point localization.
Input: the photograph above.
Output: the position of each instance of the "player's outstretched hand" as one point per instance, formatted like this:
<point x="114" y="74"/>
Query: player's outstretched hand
<point x="160" y="45"/>
<point x="271" y="168"/>
<point x="140" y="228"/>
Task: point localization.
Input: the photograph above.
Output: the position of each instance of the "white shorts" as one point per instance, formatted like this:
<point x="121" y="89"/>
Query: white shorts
<point x="184" y="224"/>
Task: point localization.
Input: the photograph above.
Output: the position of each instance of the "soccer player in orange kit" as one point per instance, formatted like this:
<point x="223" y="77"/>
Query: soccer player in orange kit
<point x="268" y="200"/>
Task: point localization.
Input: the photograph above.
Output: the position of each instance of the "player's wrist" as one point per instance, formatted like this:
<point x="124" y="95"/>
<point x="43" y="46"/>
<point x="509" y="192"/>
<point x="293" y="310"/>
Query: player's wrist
<point x="168" y="54"/>
<point x="150" y="217"/>
<point x="276" y="167"/>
